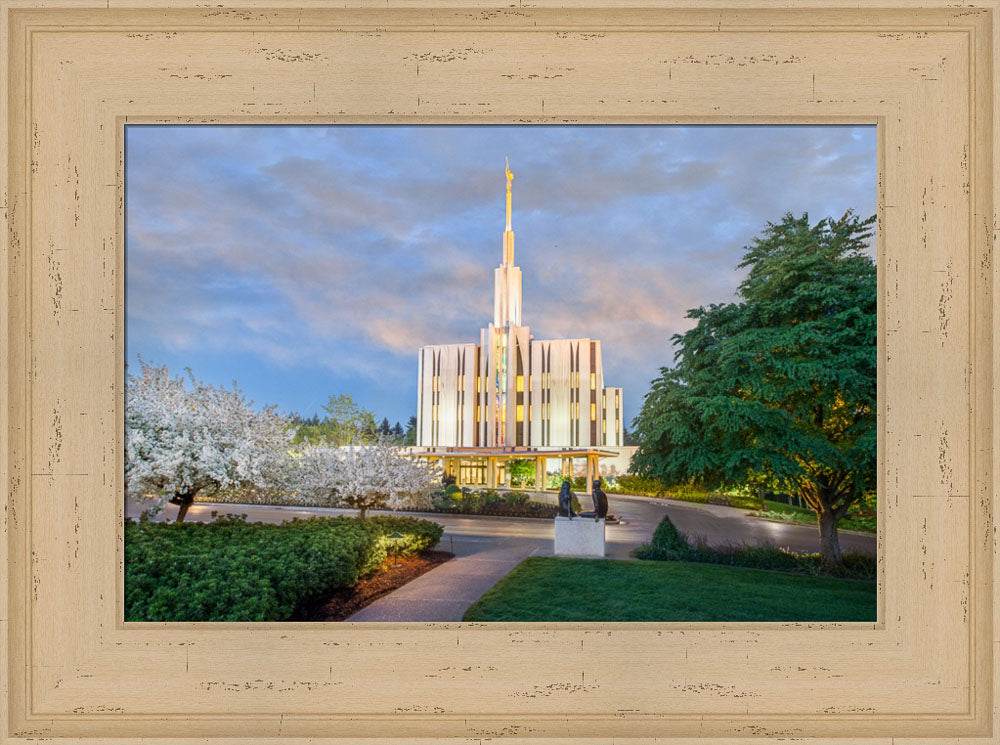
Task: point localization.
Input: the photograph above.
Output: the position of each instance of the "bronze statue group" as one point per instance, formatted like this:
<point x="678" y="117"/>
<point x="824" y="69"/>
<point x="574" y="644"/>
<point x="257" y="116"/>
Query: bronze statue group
<point x="566" y="497"/>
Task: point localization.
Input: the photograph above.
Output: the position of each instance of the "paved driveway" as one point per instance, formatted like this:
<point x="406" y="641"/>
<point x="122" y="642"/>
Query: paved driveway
<point x="487" y="548"/>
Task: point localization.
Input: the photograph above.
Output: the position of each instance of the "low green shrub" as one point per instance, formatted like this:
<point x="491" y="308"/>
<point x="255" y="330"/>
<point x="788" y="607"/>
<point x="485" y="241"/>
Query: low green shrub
<point x="490" y="497"/>
<point x="865" y="524"/>
<point x="852" y="521"/>
<point x="513" y="498"/>
<point x="232" y="570"/>
<point x="649" y="486"/>
<point x="630" y="484"/>
<point x="743" y="501"/>
<point x="490" y="502"/>
<point x="669" y="544"/>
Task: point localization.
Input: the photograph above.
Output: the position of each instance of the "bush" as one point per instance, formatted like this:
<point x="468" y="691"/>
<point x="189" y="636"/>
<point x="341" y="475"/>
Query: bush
<point x="669" y="544"/>
<point x="490" y="497"/>
<point x="642" y="485"/>
<point x="649" y="486"/>
<point x="489" y="502"/>
<point x="514" y="498"/>
<point x="743" y="501"/>
<point x="232" y="570"/>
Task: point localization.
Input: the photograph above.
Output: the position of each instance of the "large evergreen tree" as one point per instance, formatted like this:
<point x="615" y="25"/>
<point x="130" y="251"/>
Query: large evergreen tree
<point x="410" y="438"/>
<point x="778" y="388"/>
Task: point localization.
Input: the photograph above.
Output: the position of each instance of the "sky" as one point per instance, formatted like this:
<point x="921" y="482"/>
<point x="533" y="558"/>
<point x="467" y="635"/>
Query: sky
<point x="310" y="261"/>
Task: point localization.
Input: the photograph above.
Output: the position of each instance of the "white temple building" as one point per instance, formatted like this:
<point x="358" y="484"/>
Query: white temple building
<point x="514" y="396"/>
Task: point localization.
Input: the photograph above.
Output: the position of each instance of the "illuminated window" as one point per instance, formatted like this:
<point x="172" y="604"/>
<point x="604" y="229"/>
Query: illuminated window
<point x="520" y="383"/>
<point x="604" y="426"/>
<point x="479" y="384"/>
<point x="520" y="412"/>
<point x="593" y="381"/>
<point x="529" y="412"/>
<point x="479" y="414"/>
<point x="593" y="412"/>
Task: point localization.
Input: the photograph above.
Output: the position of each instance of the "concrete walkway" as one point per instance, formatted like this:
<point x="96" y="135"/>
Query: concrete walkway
<point x="447" y="591"/>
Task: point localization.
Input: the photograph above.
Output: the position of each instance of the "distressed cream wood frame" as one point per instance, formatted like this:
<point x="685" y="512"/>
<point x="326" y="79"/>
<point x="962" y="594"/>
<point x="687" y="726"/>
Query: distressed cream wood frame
<point x="79" y="70"/>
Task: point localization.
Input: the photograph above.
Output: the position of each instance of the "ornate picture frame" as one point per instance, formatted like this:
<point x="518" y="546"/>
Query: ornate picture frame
<point x="78" y="71"/>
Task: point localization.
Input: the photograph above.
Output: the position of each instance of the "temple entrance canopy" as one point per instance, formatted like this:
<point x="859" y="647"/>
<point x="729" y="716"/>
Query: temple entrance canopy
<point x="496" y="468"/>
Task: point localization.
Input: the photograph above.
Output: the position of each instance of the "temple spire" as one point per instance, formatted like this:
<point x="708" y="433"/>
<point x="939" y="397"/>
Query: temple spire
<point x="507" y="278"/>
<point x="510" y="177"/>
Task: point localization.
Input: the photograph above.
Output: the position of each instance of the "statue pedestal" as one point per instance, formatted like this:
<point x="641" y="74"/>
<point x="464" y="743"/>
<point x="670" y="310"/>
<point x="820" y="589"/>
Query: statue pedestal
<point x="579" y="536"/>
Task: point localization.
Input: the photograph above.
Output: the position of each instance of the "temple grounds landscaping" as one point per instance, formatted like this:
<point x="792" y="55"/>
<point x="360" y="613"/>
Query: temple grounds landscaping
<point x="861" y="520"/>
<point x="232" y="570"/>
<point x="680" y="579"/>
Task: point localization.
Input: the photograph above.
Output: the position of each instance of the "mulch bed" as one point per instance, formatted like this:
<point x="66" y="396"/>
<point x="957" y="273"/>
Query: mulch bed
<point x="345" y="602"/>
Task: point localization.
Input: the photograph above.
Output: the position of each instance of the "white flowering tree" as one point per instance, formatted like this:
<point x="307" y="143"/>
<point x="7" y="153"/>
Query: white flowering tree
<point x="365" y="477"/>
<point x="183" y="437"/>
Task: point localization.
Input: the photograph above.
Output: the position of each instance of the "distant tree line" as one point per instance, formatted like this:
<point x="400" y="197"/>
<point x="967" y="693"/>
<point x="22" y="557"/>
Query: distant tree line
<point x="347" y="423"/>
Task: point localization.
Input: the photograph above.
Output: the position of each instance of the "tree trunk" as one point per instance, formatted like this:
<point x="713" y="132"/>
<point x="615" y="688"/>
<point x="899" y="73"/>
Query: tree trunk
<point x="829" y="540"/>
<point x="184" y="502"/>
<point x="361" y="512"/>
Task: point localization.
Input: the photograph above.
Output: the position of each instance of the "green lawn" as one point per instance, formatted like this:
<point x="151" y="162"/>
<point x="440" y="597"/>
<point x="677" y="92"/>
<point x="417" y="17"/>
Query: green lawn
<point x="543" y="588"/>
<point x="781" y="511"/>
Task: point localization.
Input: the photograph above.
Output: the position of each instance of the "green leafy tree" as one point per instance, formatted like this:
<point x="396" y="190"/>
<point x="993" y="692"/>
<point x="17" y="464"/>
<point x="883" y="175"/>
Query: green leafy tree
<point x="521" y="472"/>
<point x="410" y="438"/>
<point x="345" y="423"/>
<point x="777" y="389"/>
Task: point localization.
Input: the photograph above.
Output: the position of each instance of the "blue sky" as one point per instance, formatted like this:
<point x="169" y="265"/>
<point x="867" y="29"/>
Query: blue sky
<point x="310" y="261"/>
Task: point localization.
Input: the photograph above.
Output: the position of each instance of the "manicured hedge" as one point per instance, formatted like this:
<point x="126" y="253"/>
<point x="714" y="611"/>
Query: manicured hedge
<point x="456" y="501"/>
<point x="232" y="570"/>
<point x="651" y="487"/>
<point x="669" y="544"/>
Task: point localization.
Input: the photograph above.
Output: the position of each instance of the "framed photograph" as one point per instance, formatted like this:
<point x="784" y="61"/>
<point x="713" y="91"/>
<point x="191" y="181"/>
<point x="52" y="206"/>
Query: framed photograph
<point x="315" y="200"/>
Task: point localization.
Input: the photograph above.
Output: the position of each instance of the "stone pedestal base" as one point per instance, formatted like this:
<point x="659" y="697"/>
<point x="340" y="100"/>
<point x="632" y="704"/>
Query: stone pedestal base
<point x="579" y="536"/>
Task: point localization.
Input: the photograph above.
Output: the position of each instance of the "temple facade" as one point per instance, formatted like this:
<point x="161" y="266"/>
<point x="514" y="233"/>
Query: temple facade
<point x="510" y="390"/>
